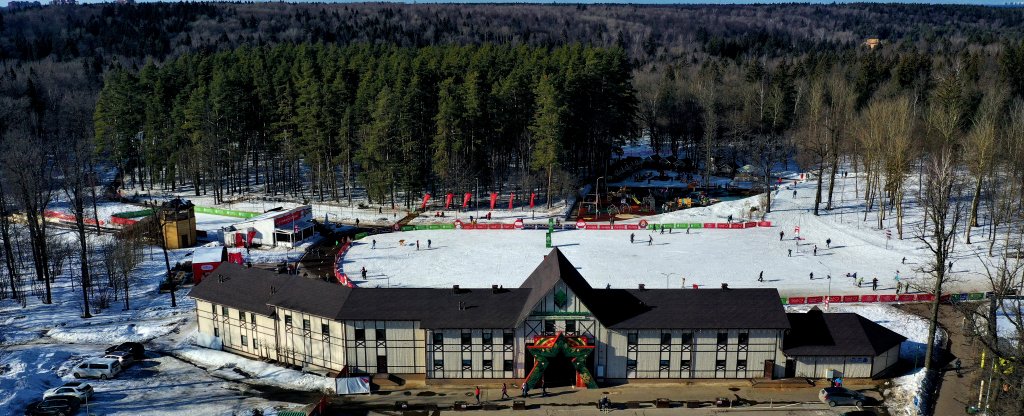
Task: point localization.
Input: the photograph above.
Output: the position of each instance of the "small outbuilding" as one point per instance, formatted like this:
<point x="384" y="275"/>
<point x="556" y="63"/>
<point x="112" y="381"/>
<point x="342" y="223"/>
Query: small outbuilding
<point x="205" y="260"/>
<point x="820" y="345"/>
<point x="287" y="228"/>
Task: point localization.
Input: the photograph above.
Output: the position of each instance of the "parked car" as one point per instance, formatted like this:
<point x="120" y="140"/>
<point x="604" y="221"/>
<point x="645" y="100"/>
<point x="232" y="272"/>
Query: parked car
<point x="125" y="358"/>
<point x="102" y="368"/>
<point x="138" y="350"/>
<point x="54" y="406"/>
<point x="77" y="389"/>
<point x="836" y="396"/>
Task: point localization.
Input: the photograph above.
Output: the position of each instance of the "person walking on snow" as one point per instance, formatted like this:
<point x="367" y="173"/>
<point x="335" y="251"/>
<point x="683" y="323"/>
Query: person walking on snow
<point x="781" y="234"/>
<point x="790" y="252"/>
<point x="476" y="392"/>
<point x="373" y="244"/>
<point x="631" y="236"/>
<point x="663" y="230"/>
<point x="417" y="245"/>
<point x="812" y="275"/>
<point x="860" y="281"/>
<point x="828" y="243"/>
<point x="428" y="243"/>
<point x="363" y="272"/>
<point x="650" y="240"/>
<point x="504" y="391"/>
<point x="760" y="277"/>
<point x="874" y="284"/>
<point x="904" y="261"/>
<point x="815" y="249"/>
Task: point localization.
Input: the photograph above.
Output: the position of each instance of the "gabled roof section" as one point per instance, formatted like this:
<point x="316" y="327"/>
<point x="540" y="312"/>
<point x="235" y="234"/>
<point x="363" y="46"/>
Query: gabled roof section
<point x="437" y="308"/>
<point x="554" y="268"/>
<point x="258" y="290"/>
<point x="837" y="334"/>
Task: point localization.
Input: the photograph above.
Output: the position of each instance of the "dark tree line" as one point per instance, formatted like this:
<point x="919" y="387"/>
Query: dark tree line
<point x="318" y="121"/>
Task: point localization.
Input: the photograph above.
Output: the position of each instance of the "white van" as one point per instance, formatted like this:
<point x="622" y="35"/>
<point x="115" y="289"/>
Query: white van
<point x="102" y="368"/>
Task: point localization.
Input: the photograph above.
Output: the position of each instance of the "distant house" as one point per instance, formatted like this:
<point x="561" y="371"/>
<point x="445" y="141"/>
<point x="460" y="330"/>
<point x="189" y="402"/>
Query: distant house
<point x="205" y="260"/>
<point x="872" y="43"/>
<point x="845" y="342"/>
<point x="287" y="228"/>
<point x="555" y="326"/>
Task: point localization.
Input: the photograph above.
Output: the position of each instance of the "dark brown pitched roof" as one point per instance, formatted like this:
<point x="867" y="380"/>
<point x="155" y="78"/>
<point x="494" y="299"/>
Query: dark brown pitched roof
<point x="837" y="334"/>
<point x="553" y="268"/>
<point x="438" y="308"/>
<point x="255" y="290"/>
<point x="689" y="308"/>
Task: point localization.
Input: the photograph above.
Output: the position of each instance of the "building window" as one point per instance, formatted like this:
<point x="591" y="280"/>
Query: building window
<point x="439" y="338"/>
<point x="467" y="338"/>
<point x="570" y="326"/>
<point x="719" y="364"/>
<point x="508" y="338"/>
<point x="381" y="334"/>
<point x="360" y="334"/>
<point x="684" y="365"/>
<point x="723" y="338"/>
<point x="305" y="325"/>
<point x="630" y="365"/>
<point x="241" y="315"/>
<point x="439" y="364"/>
<point x="663" y="365"/>
<point x="252" y="317"/>
<point x="245" y="341"/>
<point x="741" y="365"/>
<point x="686" y="338"/>
<point x="666" y="338"/>
<point x="288" y="320"/>
<point x="467" y="364"/>
<point x="631" y="338"/>
<point x="213" y="308"/>
<point x="488" y="338"/>
<point x="507" y="365"/>
<point x="255" y="344"/>
<point x="744" y="338"/>
<point x="549" y="325"/>
<point x="216" y="332"/>
<point x="224" y="310"/>
<point x="325" y="329"/>
<point x="488" y="364"/>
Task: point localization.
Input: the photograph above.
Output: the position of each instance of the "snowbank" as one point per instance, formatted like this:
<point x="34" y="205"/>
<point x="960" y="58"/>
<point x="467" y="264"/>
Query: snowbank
<point x="230" y="366"/>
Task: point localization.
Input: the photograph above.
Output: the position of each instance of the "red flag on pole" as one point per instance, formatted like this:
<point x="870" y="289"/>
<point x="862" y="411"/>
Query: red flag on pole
<point x="465" y="199"/>
<point x="494" y="198"/>
<point x="532" y="195"/>
<point x="448" y="200"/>
<point x="511" y="197"/>
<point x="425" y="199"/>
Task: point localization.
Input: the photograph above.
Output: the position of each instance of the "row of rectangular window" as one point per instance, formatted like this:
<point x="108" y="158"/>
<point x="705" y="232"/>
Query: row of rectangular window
<point x="549" y="326"/>
<point x="507" y="338"/>
<point x="633" y="338"/>
<point x="686" y="364"/>
<point x="468" y="364"/>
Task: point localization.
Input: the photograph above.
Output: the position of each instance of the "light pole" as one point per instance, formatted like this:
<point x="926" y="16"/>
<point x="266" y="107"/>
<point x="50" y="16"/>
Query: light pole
<point x="666" y="278"/>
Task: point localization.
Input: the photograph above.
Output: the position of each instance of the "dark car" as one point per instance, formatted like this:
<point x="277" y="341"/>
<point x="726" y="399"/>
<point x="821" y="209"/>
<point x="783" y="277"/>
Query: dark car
<point x="840" y="396"/>
<point x="138" y="351"/>
<point x="54" y="406"/>
<point x="859" y="413"/>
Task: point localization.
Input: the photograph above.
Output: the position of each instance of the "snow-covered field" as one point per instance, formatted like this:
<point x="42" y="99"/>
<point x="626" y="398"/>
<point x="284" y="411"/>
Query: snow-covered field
<point x="705" y="257"/>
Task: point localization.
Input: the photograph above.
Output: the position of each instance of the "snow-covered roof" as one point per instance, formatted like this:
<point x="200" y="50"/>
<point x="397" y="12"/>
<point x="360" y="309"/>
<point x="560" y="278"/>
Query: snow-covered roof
<point x="208" y="254"/>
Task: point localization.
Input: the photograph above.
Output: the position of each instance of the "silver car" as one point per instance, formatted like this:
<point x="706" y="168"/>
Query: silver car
<point x="101" y="368"/>
<point x="79" y="390"/>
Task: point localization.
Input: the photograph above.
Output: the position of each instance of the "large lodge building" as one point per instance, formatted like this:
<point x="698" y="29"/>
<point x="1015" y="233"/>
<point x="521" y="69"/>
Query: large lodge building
<point x="554" y="326"/>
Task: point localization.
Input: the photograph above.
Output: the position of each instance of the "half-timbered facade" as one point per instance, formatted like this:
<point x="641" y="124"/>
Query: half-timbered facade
<point x="554" y="327"/>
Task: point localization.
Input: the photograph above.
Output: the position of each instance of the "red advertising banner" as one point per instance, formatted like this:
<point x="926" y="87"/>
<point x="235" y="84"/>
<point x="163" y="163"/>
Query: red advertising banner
<point x="425" y="199"/>
<point x="619" y="227"/>
<point x="604" y="227"/>
<point x="928" y="297"/>
<point x="592" y="227"/>
<point x="508" y="226"/>
<point x="869" y="298"/>
<point x="887" y="298"/>
<point x="906" y="298"/>
<point x="749" y="224"/>
<point x="850" y="298"/>
<point x="815" y="299"/>
<point x="632" y="227"/>
<point x="944" y="298"/>
<point x="736" y="226"/>
<point x="494" y="198"/>
<point x="296" y="215"/>
<point x="511" y="198"/>
<point x="448" y="200"/>
<point x="465" y="199"/>
<point x="493" y="226"/>
<point x="764" y="224"/>
<point x="468" y="226"/>
<point x="532" y="195"/>
<point x="835" y="299"/>
<point x="797" y="301"/>
<point x="709" y="225"/>
<point x="722" y="225"/>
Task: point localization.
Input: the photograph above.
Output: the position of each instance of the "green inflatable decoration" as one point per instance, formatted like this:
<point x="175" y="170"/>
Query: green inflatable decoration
<point x="549" y="346"/>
